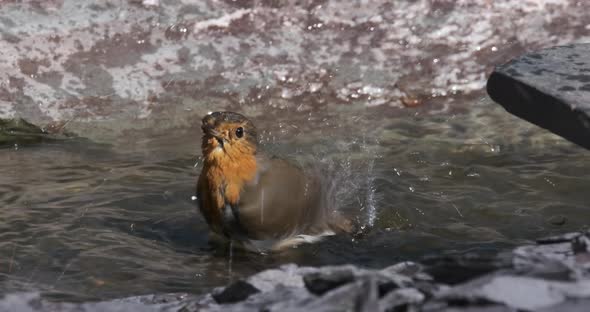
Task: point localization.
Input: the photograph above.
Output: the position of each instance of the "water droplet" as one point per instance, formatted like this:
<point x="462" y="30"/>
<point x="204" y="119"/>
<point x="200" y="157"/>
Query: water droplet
<point x="314" y="87"/>
<point x="287" y="94"/>
<point x="193" y="198"/>
<point x="494" y="49"/>
<point x="411" y="188"/>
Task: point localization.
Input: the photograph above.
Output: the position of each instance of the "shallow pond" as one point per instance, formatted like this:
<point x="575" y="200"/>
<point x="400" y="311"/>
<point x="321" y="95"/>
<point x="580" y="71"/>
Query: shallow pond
<point x="83" y="221"/>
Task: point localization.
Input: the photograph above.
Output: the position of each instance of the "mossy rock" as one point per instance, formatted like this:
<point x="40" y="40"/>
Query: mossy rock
<point x="20" y="131"/>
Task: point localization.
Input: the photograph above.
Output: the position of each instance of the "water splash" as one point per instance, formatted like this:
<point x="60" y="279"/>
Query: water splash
<point x="230" y="260"/>
<point x="262" y="206"/>
<point x="371" y="202"/>
<point x="351" y="180"/>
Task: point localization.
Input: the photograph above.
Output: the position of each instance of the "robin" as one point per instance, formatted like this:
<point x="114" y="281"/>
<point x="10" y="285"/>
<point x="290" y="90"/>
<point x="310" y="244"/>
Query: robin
<point x="264" y="202"/>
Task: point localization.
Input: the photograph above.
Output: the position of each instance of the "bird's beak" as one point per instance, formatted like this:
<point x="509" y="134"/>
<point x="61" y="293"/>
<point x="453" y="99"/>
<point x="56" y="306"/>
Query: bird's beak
<point x="219" y="140"/>
<point x="216" y="134"/>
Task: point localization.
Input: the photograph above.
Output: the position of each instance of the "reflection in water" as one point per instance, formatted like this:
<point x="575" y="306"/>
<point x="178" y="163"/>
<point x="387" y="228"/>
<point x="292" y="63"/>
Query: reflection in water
<point x="82" y="221"/>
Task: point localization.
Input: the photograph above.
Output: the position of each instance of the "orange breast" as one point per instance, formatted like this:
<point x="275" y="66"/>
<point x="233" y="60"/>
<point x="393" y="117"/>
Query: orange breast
<point x="220" y="183"/>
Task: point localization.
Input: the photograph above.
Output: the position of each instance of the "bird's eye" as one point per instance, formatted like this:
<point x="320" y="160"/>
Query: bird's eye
<point x="240" y="132"/>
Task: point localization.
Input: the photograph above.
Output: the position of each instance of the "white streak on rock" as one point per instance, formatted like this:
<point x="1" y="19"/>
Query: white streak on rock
<point x="222" y="21"/>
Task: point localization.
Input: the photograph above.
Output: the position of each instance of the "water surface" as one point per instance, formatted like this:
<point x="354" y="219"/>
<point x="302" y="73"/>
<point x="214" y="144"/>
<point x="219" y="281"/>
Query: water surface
<point x="82" y="220"/>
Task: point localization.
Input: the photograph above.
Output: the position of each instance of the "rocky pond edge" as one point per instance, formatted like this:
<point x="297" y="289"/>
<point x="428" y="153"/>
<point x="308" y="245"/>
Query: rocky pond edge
<point x="551" y="275"/>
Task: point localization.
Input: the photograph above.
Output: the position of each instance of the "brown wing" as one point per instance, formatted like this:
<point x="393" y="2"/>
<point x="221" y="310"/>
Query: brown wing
<point x="281" y="202"/>
<point x="284" y="201"/>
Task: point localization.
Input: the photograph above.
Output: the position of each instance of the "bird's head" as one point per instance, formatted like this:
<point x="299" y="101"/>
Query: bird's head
<point x="228" y="136"/>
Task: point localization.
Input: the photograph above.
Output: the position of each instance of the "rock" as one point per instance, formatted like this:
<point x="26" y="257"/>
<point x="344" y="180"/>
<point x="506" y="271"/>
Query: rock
<point x="170" y="300"/>
<point x="115" y="66"/>
<point x="568" y="237"/>
<point x="570" y="306"/>
<point x="323" y="281"/>
<point x="401" y="297"/>
<point x="289" y="275"/>
<point x="581" y="244"/>
<point x="33" y="302"/>
<point x="235" y="292"/>
<point x="360" y="295"/>
<point x="550" y="88"/>
<point x="19" y="131"/>
<point x="517" y="292"/>
<point x="558" y="220"/>
<point x="551" y="275"/>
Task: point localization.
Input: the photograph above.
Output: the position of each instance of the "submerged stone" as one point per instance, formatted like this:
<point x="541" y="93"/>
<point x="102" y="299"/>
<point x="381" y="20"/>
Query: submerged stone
<point x="19" y="131"/>
<point x="550" y="88"/>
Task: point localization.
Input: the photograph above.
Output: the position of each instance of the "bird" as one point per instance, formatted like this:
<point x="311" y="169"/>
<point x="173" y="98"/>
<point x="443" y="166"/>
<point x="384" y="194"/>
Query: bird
<point x="262" y="201"/>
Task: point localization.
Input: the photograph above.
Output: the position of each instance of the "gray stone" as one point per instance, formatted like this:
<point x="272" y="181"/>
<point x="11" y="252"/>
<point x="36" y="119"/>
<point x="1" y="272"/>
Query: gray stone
<point x="482" y="308"/>
<point x="19" y="131"/>
<point x="401" y="297"/>
<point x="549" y="276"/>
<point x="32" y="302"/>
<point x="581" y="244"/>
<point x="289" y="275"/>
<point x="550" y="88"/>
<point x="570" y="306"/>
<point x="114" y="66"/>
<point x="519" y="292"/>
<point x="323" y="281"/>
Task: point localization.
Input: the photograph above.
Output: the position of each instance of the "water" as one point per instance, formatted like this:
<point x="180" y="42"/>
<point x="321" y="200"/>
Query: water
<point x="325" y="82"/>
<point x="83" y="221"/>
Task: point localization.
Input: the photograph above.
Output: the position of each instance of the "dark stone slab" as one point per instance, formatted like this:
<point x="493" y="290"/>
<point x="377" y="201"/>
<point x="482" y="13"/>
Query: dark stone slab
<point x="235" y="292"/>
<point x="550" y="88"/>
